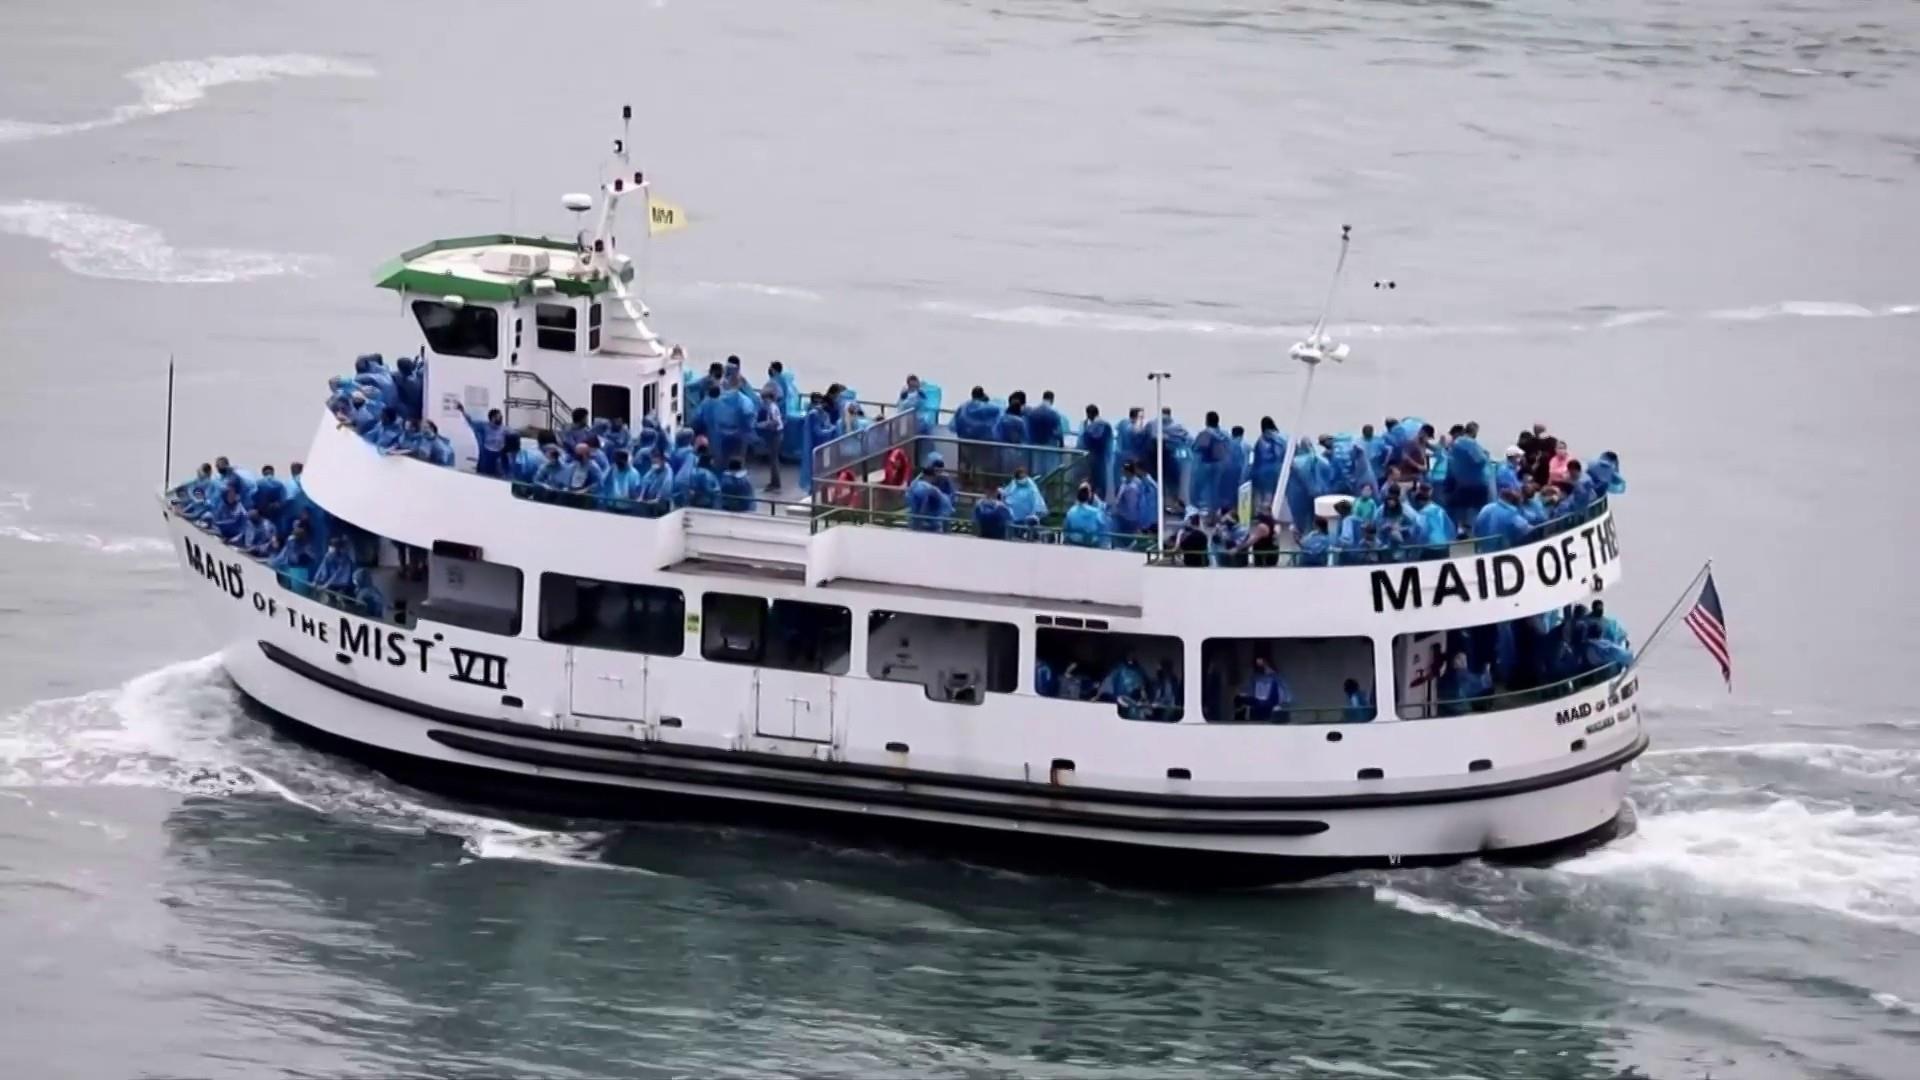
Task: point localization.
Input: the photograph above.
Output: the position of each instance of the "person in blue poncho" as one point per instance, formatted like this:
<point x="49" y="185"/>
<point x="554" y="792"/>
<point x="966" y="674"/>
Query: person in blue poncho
<point x="680" y="458"/>
<point x="1086" y="524"/>
<point x="229" y="517"/>
<point x="991" y="518"/>
<point x="367" y="596"/>
<point x="769" y="433"/>
<point x="911" y="397"/>
<point x="1131" y="439"/>
<point x="655" y="492"/>
<point x="1500" y="524"/>
<point x="928" y="507"/>
<point x="728" y="421"/>
<point x="1265" y="697"/>
<point x="616" y="436"/>
<point x="1507" y="475"/>
<point x="822" y="427"/>
<point x="1610" y="627"/>
<point x="1316" y="545"/>
<point x="1024" y="500"/>
<point x="736" y="488"/>
<point x="258" y="537"/>
<point x="1359" y="708"/>
<point x="370" y="371"/>
<point x="1467" y="475"/>
<point x="411" y="384"/>
<point x="1597" y="652"/>
<point x="1045" y="682"/>
<point x="1209" y="461"/>
<point x="1304" y="484"/>
<point x="575" y="432"/>
<point x="1235" y="472"/>
<point x="1359" y="470"/>
<point x="335" y="572"/>
<point x="431" y="446"/>
<point x="1263" y="468"/>
<point x="1126" y="687"/>
<point x="620" y="484"/>
<point x="1377" y="447"/>
<point x="1605" y="475"/>
<point x="490" y="436"/>
<point x="552" y="473"/>
<point x="1011" y="426"/>
<point x="229" y="476"/>
<point x="1045" y="425"/>
<point x="518" y="461"/>
<point x="1133" y="512"/>
<point x="703" y="484"/>
<point x="1096" y="438"/>
<point x="583" y="476"/>
<point x="1179" y="449"/>
<point x="1439" y="530"/>
<point x="977" y="417"/>
<point x="295" y="559"/>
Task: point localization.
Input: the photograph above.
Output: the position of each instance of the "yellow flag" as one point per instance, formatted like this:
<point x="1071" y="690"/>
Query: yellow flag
<point x="664" y="217"/>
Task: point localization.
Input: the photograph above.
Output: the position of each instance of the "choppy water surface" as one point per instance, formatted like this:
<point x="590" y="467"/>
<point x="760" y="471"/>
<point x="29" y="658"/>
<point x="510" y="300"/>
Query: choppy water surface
<point x="1684" y="231"/>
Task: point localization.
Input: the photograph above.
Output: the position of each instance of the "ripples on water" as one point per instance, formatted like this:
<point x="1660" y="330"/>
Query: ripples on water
<point x="306" y="909"/>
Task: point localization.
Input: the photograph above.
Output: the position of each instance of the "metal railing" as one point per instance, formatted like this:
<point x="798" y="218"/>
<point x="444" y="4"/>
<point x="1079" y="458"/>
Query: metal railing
<point x="1508" y="699"/>
<point x="757" y="504"/>
<point x="528" y="395"/>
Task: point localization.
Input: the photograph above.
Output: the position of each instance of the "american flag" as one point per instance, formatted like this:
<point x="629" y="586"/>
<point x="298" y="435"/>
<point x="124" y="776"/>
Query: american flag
<point x="1709" y="624"/>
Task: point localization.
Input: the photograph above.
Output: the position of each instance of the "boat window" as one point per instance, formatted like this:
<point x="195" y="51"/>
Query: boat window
<point x="553" y="326"/>
<point x="459" y="331"/>
<point x="956" y="660"/>
<point x="786" y="634"/>
<point x="1505" y="665"/>
<point x="612" y="615"/>
<point x="1140" y="674"/>
<point x="465" y="590"/>
<point x="593" y="328"/>
<point x="1287" y="680"/>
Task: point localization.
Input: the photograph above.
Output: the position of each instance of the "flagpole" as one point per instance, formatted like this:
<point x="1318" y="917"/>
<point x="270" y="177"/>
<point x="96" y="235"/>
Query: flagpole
<point x="166" y="478"/>
<point x="1661" y="627"/>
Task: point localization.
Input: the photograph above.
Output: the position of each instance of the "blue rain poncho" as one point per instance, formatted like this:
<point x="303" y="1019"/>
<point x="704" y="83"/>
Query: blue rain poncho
<point x="1234" y="474"/>
<point x="736" y="491"/>
<point x="1605" y="474"/>
<point x="1379" y="451"/>
<point x="656" y="491"/>
<point x="1314" y="548"/>
<point x="991" y="519"/>
<point x="1086" y="525"/>
<point x="1304" y="484"/>
<point x="1132" y="511"/>
<point x="976" y="420"/>
<point x="491" y="439"/>
<point x="1467" y="476"/>
<point x="525" y="464"/>
<point x="258" y="538"/>
<point x="1131" y="443"/>
<point x="1096" y="438"/>
<point x="335" y="571"/>
<point x="1179" y="450"/>
<point x="619" y="486"/>
<point x="1010" y="428"/>
<point x="1499" y="526"/>
<point x="229" y="518"/>
<point x="411" y="384"/>
<point x="1045" y="682"/>
<point x="1263" y="469"/>
<point x="702" y="487"/>
<point x="1209" y="462"/>
<point x="727" y="419"/>
<point x="367" y="596"/>
<point x="927" y="506"/>
<point x="294" y="555"/>
<point x="821" y="429"/>
<point x="1045" y="426"/>
<point x="1266" y="694"/>
<point x="1024" y="500"/>
<point x="1126" y="682"/>
<point x="1360" y="474"/>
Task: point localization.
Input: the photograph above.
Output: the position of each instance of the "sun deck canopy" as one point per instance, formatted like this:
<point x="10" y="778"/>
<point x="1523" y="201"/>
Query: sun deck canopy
<point x="496" y="267"/>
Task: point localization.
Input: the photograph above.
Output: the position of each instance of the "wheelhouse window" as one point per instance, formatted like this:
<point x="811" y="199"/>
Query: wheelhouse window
<point x="1141" y="675"/>
<point x="469" y="331"/>
<point x="954" y="660"/>
<point x="464" y="589"/>
<point x="554" y="326"/>
<point x="612" y="615"/>
<point x="1505" y="665"/>
<point x="593" y="328"/>
<point x="786" y="634"/>
<point x="1287" y="680"/>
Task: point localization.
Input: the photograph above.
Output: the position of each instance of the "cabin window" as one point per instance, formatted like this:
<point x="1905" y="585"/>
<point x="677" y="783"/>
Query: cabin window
<point x="956" y="660"/>
<point x="554" y="325"/>
<point x="1287" y="680"/>
<point x="465" y="590"/>
<point x="1141" y="675"/>
<point x="785" y="634"/>
<point x="1505" y="665"/>
<point x="612" y="615"/>
<point x="593" y="328"/>
<point x="459" y="331"/>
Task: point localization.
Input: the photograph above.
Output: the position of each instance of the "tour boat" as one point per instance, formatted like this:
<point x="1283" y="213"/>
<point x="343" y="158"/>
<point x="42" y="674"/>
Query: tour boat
<point x="814" y="664"/>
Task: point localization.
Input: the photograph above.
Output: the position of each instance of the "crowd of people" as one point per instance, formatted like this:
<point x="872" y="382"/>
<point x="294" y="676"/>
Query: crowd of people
<point x="1406" y="489"/>
<point x="1548" y="651"/>
<point x="1135" y="694"/>
<point x="271" y="518"/>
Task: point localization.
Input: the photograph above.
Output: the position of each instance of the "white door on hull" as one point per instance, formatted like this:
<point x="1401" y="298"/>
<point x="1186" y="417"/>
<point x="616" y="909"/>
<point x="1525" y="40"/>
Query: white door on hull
<point x="609" y="685"/>
<point x="793" y="705"/>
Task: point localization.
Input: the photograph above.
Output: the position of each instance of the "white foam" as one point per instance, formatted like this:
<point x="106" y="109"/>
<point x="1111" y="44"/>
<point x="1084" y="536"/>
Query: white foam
<point x="1804" y="309"/>
<point x="1632" y="318"/>
<point x="790" y="292"/>
<point x="96" y="245"/>
<point x="1043" y="315"/>
<point x="1894" y="1003"/>
<point x="175" y="730"/>
<point x="1882" y="763"/>
<point x="1861" y="866"/>
<point x="130" y="545"/>
<point x="180" y="84"/>
<point x="1421" y="905"/>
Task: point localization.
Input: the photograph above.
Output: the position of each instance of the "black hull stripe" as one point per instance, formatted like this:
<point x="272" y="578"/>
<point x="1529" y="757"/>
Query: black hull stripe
<point x="807" y="766"/>
<point x="814" y="789"/>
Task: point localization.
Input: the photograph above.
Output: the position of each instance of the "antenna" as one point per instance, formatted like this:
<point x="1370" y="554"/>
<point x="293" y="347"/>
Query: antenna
<point x="167" y="466"/>
<point x="1316" y="348"/>
<point x="626" y="134"/>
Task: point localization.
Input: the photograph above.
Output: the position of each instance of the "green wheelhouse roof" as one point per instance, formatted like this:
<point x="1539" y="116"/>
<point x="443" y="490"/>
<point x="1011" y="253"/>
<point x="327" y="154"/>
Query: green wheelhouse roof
<point x="405" y="274"/>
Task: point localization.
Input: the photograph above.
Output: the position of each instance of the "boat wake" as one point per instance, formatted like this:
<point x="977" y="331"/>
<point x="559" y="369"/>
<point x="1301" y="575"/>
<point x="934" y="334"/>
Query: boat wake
<point x="183" y="729"/>
<point x="181" y="84"/>
<point x="97" y="245"/>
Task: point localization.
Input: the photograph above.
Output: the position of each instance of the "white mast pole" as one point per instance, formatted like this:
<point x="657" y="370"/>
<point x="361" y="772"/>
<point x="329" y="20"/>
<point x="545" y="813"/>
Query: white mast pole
<point x="1157" y="378"/>
<point x="1316" y="348"/>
